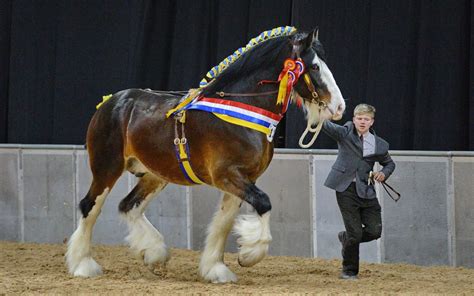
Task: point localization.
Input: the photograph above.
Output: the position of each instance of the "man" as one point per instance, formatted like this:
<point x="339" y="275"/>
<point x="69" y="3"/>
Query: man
<point x="359" y="149"/>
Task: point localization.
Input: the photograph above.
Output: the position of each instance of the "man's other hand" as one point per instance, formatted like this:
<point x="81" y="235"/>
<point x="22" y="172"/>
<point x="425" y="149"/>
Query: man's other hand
<point x="379" y="176"/>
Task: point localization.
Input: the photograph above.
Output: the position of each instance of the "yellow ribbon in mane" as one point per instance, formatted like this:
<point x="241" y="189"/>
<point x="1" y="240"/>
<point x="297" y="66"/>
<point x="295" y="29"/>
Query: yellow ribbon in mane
<point x="193" y="93"/>
<point x="104" y="99"/>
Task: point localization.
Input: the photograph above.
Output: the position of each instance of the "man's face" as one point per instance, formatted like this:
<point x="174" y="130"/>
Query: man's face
<point x="362" y="122"/>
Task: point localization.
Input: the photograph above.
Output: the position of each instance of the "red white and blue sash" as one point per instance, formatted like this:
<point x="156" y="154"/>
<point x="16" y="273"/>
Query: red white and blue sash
<point x="240" y="114"/>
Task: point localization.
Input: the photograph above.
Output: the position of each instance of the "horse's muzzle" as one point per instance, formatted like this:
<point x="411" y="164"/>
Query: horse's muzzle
<point x="339" y="112"/>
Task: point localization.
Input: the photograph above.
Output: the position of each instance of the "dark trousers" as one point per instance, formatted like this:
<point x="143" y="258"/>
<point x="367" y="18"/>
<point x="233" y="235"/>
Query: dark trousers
<point x="363" y="222"/>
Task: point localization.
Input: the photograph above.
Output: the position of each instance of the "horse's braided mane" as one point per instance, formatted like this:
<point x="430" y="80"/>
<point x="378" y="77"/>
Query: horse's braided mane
<point x="256" y="54"/>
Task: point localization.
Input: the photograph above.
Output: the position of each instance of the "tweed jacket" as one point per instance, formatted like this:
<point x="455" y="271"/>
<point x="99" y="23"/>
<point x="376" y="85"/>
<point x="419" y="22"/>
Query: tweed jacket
<point x="350" y="161"/>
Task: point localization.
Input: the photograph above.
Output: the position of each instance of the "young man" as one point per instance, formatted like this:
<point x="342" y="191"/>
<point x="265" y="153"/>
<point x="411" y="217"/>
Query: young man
<point x="359" y="149"/>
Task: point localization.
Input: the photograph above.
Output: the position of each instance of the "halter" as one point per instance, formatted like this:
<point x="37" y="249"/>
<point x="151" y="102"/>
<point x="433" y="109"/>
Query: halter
<point x="314" y="100"/>
<point x="322" y="106"/>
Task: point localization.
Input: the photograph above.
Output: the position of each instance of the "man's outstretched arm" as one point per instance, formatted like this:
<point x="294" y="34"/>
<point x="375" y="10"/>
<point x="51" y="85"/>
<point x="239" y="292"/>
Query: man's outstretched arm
<point x="335" y="131"/>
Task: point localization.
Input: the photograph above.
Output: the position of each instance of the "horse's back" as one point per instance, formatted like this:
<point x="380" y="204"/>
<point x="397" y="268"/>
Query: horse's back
<point x="125" y="110"/>
<point x="117" y="110"/>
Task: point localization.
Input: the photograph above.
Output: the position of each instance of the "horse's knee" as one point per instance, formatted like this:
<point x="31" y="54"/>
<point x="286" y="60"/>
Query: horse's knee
<point x="86" y="205"/>
<point x="130" y="201"/>
<point x="258" y="199"/>
<point x="89" y="201"/>
<point x="140" y="194"/>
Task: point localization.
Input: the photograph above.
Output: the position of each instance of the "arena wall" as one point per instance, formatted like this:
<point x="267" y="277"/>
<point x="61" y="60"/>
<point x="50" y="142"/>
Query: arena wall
<point x="432" y="224"/>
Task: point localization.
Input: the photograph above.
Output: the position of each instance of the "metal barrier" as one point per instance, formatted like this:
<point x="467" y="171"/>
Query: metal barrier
<point x="433" y="223"/>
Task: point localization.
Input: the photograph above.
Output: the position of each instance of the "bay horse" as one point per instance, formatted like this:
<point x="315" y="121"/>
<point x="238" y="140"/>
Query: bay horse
<point x="132" y="132"/>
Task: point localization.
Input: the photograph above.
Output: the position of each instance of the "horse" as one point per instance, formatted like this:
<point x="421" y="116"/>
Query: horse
<point x="134" y="131"/>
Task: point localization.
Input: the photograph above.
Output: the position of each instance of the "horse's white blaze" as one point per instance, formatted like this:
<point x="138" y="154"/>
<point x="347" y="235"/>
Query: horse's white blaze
<point x="255" y="237"/>
<point x="212" y="267"/>
<point x="144" y="239"/>
<point x="78" y="255"/>
<point x="337" y="104"/>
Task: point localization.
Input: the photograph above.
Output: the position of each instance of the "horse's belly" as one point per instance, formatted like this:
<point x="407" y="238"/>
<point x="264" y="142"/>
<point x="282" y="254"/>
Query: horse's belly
<point x="150" y="146"/>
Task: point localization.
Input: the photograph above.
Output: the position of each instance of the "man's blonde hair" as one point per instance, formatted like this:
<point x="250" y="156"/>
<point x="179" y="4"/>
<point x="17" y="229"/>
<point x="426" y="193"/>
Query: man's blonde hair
<point x="364" y="109"/>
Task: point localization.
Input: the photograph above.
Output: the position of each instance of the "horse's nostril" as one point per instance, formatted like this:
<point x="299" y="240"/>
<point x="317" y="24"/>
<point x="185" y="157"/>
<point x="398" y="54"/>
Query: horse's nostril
<point x="340" y="108"/>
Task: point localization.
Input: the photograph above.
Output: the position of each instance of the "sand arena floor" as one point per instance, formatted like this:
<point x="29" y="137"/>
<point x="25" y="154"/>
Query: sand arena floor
<point x="28" y="268"/>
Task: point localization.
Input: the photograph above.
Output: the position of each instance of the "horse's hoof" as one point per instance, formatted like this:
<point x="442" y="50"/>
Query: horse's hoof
<point x="87" y="268"/>
<point x="220" y="274"/>
<point x="155" y="256"/>
<point x="158" y="269"/>
<point x="251" y="255"/>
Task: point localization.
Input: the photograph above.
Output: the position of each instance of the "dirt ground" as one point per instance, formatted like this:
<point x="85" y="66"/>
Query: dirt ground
<point x="28" y="268"/>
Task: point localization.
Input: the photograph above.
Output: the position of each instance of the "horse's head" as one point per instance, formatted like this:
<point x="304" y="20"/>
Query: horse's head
<point x="318" y="89"/>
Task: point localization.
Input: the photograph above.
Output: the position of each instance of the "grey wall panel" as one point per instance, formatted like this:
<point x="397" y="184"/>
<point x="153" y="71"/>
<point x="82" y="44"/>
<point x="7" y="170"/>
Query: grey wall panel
<point x="416" y="228"/>
<point x="168" y="214"/>
<point x="205" y="201"/>
<point x="83" y="181"/>
<point x="9" y="195"/>
<point x="328" y="217"/>
<point x="463" y="175"/>
<point x="287" y="183"/>
<point x="48" y="195"/>
<point x="40" y="188"/>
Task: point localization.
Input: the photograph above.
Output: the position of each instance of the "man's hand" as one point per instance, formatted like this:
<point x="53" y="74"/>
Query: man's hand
<point x="379" y="176"/>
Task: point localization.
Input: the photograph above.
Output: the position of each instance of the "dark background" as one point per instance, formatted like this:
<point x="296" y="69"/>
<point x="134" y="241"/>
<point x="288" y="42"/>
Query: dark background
<point x="413" y="60"/>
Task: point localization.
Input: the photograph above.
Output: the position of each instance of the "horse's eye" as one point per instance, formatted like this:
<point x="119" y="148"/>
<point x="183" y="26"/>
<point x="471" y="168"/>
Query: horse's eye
<point x="315" y="67"/>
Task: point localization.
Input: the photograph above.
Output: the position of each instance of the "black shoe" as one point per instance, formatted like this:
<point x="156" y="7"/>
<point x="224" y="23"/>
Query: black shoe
<point x="348" y="276"/>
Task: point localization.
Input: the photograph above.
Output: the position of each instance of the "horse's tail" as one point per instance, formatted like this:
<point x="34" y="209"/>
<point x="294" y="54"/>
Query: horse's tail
<point x="106" y="135"/>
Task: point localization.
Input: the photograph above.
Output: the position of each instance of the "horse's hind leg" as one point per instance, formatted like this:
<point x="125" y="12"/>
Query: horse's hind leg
<point x="144" y="239"/>
<point x="105" y="148"/>
<point x="212" y="267"/>
<point x="78" y="255"/>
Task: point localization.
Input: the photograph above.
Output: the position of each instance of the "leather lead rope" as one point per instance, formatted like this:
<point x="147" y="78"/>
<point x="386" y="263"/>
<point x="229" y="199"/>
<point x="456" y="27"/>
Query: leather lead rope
<point x="395" y="197"/>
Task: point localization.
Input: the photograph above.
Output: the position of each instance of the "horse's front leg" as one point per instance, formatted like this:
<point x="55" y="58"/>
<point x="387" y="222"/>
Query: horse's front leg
<point x="212" y="267"/>
<point x="254" y="229"/>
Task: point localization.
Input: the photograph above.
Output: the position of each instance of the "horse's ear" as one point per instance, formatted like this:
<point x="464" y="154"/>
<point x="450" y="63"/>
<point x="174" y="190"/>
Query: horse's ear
<point x="314" y="35"/>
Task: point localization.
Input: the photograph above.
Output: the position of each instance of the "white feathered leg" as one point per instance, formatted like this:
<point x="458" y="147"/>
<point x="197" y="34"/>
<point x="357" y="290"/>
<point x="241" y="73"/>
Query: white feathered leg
<point x="212" y="267"/>
<point x="144" y="239"/>
<point x="78" y="256"/>
<point x="254" y="238"/>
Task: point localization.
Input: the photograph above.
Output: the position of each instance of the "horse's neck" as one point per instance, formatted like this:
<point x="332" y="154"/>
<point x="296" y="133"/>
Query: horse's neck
<point x="252" y="87"/>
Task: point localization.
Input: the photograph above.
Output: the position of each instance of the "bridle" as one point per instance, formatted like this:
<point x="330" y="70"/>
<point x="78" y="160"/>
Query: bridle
<point x="316" y="100"/>
<point x="322" y="105"/>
